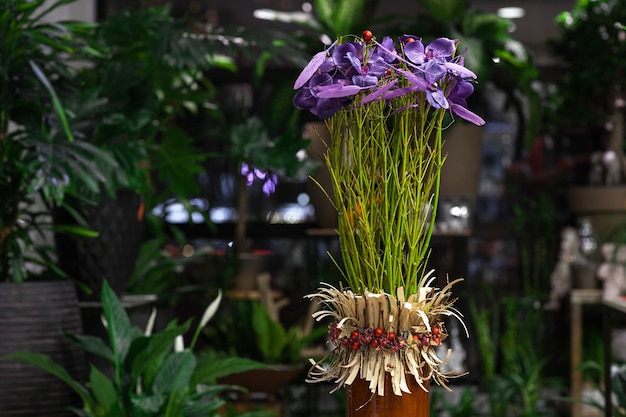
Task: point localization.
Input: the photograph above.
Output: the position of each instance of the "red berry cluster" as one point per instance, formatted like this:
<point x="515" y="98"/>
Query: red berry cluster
<point x="425" y="339"/>
<point x="375" y="338"/>
<point x="378" y="338"/>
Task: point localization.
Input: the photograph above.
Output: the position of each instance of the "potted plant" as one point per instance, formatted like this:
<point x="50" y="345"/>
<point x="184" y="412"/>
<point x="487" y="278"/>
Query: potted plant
<point x="590" y="50"/>
<point x="260" y="156"/>
<point x="257" y="329"/>
<point x="42" y="161"/>
<point x="383" y="102"/>
<point x="153" y="374"/>
<point x="148" y="78"/>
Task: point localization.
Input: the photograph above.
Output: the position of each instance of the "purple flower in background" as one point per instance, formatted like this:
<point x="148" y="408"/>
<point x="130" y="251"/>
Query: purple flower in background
<point x="269" y="179"/>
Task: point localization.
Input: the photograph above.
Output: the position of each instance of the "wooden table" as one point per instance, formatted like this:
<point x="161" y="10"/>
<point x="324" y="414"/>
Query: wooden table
<point x="614" y="313"/>
<point x="578" y="298"/>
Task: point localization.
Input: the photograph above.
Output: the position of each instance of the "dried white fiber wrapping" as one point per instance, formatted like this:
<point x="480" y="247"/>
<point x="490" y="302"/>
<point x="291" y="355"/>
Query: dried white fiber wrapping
<point x="374" y="334"/>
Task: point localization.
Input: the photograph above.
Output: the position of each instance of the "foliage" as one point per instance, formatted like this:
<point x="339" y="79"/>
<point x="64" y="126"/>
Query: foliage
<point x="158" y="271"/>
<point x="590" y="52"/>
<point x="151" y="376"/>
<point x="591" y="49"/>
<point x="511" y="346"/>
<point x="246" y="329"/>
<point x="618" y="388"/>
<point x="149" y="76"/>
<point x="42" y="157"/>
<point x="465" y="407"/>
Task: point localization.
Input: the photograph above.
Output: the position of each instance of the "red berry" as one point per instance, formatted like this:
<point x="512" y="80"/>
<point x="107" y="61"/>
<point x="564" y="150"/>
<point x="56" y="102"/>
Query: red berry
<point x="436" y="330"/>
<point x="416" y="337"/>
<point x="367" y="36"/>
<point x="391" y="335"/>
<point x="355" y="345"/>
<point x="354" y="335"/>
<point x="378" y="332"/>
<point x="436" y="340"/>
<point x="374" y="343"/>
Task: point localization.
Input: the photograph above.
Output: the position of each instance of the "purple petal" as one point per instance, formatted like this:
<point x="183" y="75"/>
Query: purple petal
<point x="245" y="169"/>
<point x="356" y="63"/>
<point x="459" y="69"/>
<point x="378" y="93"/>
<point x="310" y="69"/>
<point x="419" y="82"/>
<point x="386" y="50"/>
<point x="341" y="54"/>
<point x="339" y="91"/>
<point x="466" y="114"/>
<point x="437" y="99"/>
<point x="400" y="92"/>
<point x="414" y="51"/>
<point x="304" y="100"/>
<point x="433" y="71"/>
<point x="462" y="89"/>
<point x="269" y="186"/>
<point x="365" y="81"/>
<point x="440" y="48"/>
<point x="326" y="107"/>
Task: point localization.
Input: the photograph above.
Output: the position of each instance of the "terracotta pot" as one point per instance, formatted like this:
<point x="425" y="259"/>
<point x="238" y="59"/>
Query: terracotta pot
<point x="360" y="402"/>
<point x="267" y="381"/>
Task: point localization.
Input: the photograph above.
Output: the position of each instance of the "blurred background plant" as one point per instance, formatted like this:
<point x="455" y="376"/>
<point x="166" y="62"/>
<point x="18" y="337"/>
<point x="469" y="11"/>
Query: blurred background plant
<point x="43" y="159"/>
<point x="590" y="50"/>
<point x="152" y="373"/>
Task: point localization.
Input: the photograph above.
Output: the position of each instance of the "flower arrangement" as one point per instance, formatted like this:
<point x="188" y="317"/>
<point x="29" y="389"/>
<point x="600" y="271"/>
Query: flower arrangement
<point x="384" y="105"/>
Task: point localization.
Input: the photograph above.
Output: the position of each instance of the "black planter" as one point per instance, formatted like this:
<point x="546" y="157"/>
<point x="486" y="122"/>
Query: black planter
<point x="32" y="318"/>
<point x="109" y="256"/>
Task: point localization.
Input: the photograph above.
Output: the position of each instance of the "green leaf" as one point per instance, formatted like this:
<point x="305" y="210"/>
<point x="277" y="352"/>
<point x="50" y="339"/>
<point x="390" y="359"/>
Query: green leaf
<point x="58" y="107"/>
<point x="271" y="335"/>
<point x="445" y="11"/>
<point x="148" y="405"/>
<point x="76" y="230"/>
<point x="175" y="373"/>
<point x="119" y="328"/>
<point x="91" y="344"/>
<point x="211" y="367"/>
<point x="206" y="407"/>
<point x="149" y="352"/>
<point x="103" y="389"/>
<point x="45" y="362"/>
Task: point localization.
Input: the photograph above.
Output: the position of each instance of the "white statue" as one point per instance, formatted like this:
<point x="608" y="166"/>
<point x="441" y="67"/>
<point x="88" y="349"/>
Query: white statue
<point x="612" y="167"/>
<point x="612" y="270"/>
<point x="561" y="277"/>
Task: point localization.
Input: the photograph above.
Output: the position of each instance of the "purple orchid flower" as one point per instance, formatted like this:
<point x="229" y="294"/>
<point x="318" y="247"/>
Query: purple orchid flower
<point x="459" y="93"/>
<point x="374" y="71"/>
